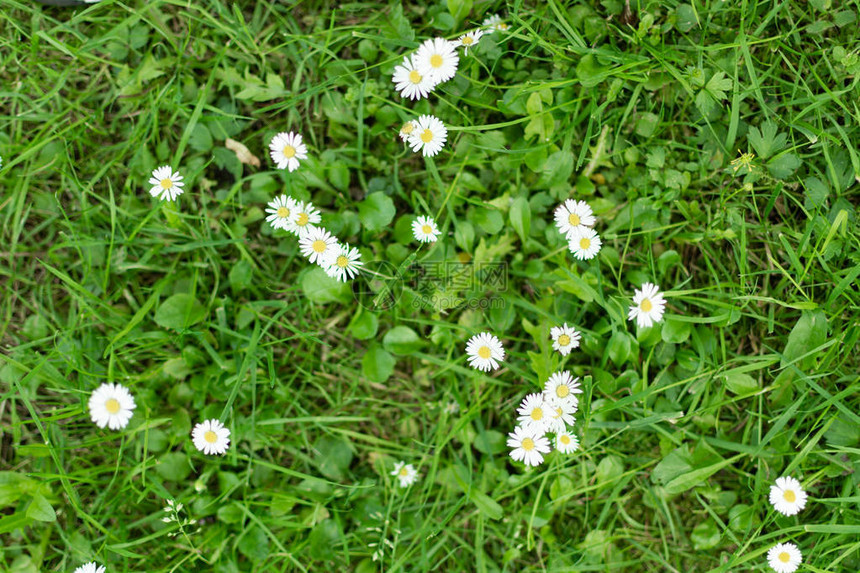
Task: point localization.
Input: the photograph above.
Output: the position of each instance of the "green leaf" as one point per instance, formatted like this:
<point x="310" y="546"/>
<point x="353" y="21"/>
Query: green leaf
<point x="705" y="535"/>
<point x="335" y="455"/>
<point x="765" y="140"/>
<point x="401" y="340"/>
<point x="589" y="72"/>
<point x="490" y="220"/>
<point x="324" y="536"/>
<point x="173" y="466"/>
<point x="320" y="288"/>
<point x="376" y="212"/>
<point x="619" y="347"/>
<point x="740" y="383"/>
<point x="741" y="518"/>
<point x="675" y="331"/>
<point x="377" y="364"/>
<point x="485" y="504"/>
<point x="179" y="312"/>
<point x="695" y="477"/>
<point x="201" y="139"/>
<point x="254" y="544"/>
<point x="784" y="165"/>
<point x="40" y="509"/>
<point x="364" y="325"/>
<point x="809" y="333"/>
<point x="459" y="9"/>
<point x="520" y="215"/>
<point x="241" y="276"/>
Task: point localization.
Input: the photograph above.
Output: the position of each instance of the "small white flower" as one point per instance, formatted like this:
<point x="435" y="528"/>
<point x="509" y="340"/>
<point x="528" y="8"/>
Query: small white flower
<point x="287" y="150"/>
<point x="280" y="210"/>
<point x="560" y="414"/>
<point x="534" y="413"/>
<point x="91" y="567"/>
<point x="648" y="305"/>
<point x="437" y="59"/>
<point x="166" y="184"/>
<point x="405" y="473"/>
<point x="495" y="23"/>
<point x="787" y="496"/>
<point x="571" y="215"/>
<point x="342" y="262"/>
<point x="485" y="352"/>
<point x="561" y="386"/>
<point x="784" y="557"/>
<point x="211" y="437"/>
<point x="566" y="443"/>
<point x="411" y="83"/>
<point x="111" y="405"/>
<point x="584" y="243"/>
<point x="316" y="243"/>
<point x="303" y="219"/>
<point x="528" y="446"/>
<point x="564" y="338"/>
<point x="429" y="135"/>
<point x="407" y="129"/>
<point x="469" y="40"/>
<point x="424" y="229"/>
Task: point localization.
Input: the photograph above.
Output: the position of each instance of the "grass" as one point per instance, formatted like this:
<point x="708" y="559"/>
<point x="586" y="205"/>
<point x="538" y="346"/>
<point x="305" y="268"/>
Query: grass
<point x="752" y="375"/>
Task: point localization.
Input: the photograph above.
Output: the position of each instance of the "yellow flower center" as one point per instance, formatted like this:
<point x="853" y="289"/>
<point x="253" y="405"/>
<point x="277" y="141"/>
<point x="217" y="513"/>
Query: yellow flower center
<point x="563" y="340"/>
<point x="112" y="405"/>
<point x="210" y="436"/>
<point x="528" y="444"/>
<point x="646" y="306"/>
<point x="302" y="220"/>
<point x="564" y="439"/>
<point x="784" y="557"/>
<point x="574" y="219"/>
<point x="467" y="41"/>
<point x="788" y="495"/>
<point x="484" y="352"/>
<point x="166" y="183"/>
<point x="289" y="151"/>
<point x="426" y="229"/>
<point x="415" y="77"/>
<point x="427" y="136"/>
<point x="404" y="472"/>
<point x="407" y="127"/>
<point x="537" y="414"/>
<point x="562" y="391"/>
<point x="502" y="26"/>
<point x="436" y="61"/>
<point x="558" y="413"/>
<point x="319" y="246"/>
<point x="283" y="212"/>
<point x="584" y="243"/>
<point x="342" y="261"/>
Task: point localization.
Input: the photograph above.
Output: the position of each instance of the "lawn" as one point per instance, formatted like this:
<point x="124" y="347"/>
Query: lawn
<point x="717" y="145"/>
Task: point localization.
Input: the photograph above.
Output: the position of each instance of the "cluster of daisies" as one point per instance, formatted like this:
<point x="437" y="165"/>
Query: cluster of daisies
<point x="433" y="63"/>
<point x="112" y="406"/>
<point x="340" y="261"/>
<point x="788" y="498"/>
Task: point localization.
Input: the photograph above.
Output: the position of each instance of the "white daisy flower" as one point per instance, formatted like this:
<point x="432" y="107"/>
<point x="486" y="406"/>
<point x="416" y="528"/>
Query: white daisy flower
<point x="111" y="405"/>
<point x="566" y="442"/>
<point x="91" y="567"/>
<point x="437" y="59"/>
<point x="787" y="496"/>
<point x="424" y="229"/>
<point x="485" y="352"/>
<point x="303" y="219"/>
<point x="406" y="130"/>
<point x="211" y="437"/>
<point x="411" y="83"/>
<point x="784" y="557"/>
<point x="280" y="210"/>
<point x="495" y="23"/>
<point x="572" y="215"/>
<point x="287" y="150"/>
<point x="648" y="305"/>
<point x="561" y="386"/>
<point x="534" y="413"/>
<point x="560" y="414"/>
<point x="405" y="473"/>
<point x="469" y="40"/>
<point x="316" y="243"/>
<point x="528" y="446"/>
<point x="342" y="262"/>
<point x="166" y="183"/>
<point x="564" y="338"/>
<point x="584" y="243"/>
<point x="429" y="135"/>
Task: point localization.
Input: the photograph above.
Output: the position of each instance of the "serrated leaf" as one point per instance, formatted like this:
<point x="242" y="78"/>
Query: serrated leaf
<point x="765" y="140"/>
